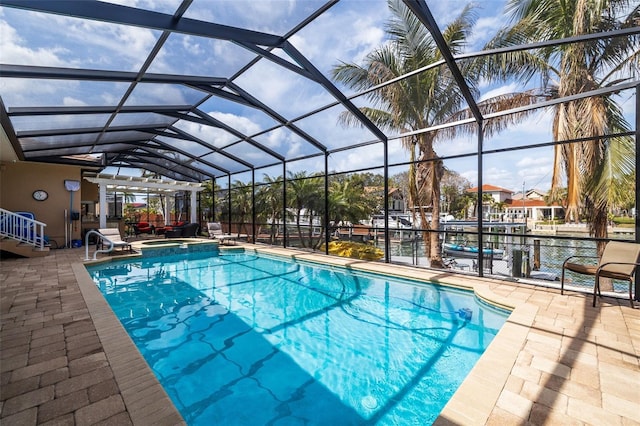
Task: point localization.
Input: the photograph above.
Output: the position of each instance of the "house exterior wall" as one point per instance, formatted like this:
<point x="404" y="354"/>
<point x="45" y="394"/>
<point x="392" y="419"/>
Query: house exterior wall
<point x="502" y="196"/>
<point x="90" y="191"/>
<point x="396" y="202"/>
<point x="18" y="181"/>
<point x="535" y="195"/>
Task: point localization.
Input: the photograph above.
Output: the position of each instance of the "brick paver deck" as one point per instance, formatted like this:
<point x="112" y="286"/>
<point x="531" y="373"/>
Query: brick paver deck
<point x="65" y="359"/>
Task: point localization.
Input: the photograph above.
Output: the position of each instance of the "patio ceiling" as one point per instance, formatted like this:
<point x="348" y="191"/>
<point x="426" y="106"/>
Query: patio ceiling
<point x="196" y="106"/>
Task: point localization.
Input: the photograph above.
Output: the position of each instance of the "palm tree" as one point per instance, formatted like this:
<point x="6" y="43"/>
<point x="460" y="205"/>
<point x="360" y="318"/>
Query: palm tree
<point x="241" y="204"/>
<point x="501" y="206"/>
<point x="206" y="198"/>
<point x="269" y="204"/>
<point x="487" y="200"/>
<point x="305" y="197"/>
<point x="421" y="101"/>
<point x="348" y="201"/>
<point x="591" y="167"/>
<point x="468" y="203"/>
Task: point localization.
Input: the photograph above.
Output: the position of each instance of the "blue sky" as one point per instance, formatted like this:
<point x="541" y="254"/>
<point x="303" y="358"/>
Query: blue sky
<point x="33" y="39"/>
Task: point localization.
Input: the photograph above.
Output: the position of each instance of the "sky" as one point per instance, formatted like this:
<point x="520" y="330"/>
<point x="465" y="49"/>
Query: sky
<point x="347" y="32"/>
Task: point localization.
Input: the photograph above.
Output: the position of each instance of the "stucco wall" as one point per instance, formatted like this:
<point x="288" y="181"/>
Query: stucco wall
<point x="19" y="180"/>
<point x="90" y="191"/>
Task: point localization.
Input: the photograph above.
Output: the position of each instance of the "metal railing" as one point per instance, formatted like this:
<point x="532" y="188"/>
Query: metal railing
<point x="21" y="227"/>
<point x="99" y="236"/>
<point x="532" y="258"/>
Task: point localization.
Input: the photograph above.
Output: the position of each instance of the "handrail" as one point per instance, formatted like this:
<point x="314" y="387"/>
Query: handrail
<point x="22" y="228"/>
<point x="95" y="254"/>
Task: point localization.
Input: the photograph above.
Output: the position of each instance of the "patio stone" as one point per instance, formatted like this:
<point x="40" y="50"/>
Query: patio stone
<point x="39" y="368"/>
<point x="62" y="405"/>
<point x="100" y="410"/>
<point x="83" y="381"/>
<point x="23" y="418"/>
<point x="27" y="400"/>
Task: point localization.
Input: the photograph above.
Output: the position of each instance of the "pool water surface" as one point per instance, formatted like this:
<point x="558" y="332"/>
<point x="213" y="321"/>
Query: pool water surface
<point x="240" y="339"/>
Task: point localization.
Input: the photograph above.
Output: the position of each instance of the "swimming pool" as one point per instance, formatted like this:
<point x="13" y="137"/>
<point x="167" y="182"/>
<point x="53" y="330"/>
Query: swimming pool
<point x="243" y="339"/>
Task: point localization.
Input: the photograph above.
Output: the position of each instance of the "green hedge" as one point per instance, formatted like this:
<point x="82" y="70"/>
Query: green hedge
<point x="623" y="220"/>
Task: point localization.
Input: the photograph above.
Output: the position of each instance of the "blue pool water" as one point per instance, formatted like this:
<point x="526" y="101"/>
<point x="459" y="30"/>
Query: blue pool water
<point x="238" y="339"/>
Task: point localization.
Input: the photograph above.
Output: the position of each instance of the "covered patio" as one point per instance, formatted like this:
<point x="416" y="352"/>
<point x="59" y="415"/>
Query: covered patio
<point x="131" y="184"/>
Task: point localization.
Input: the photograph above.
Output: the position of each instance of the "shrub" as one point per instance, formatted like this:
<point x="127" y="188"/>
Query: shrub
<point x="622" y="220"/>
<point x="354" y="250"/>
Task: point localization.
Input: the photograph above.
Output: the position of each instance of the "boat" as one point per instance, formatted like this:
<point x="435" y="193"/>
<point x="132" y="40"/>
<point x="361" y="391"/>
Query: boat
<point x="463" y="250"/>
<point x="394" y="221"/>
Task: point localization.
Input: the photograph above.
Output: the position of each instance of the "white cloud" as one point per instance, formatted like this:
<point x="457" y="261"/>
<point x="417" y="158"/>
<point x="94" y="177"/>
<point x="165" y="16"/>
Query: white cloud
<point x="69" y="101"/>
<point x="263" y="15"/>
<point x="108" y="45"/>
<point x="360" y="32"/>
<point x="372" y="155"/>
<point x="110" y="98"/>
<point x="192" y="45"/>
<point x="243" y="124"/>
<point x="53" y="40"/>
<point x="536" y="171"/>
<point x="502" y="90"/>
<point x="485" y="29"/>
<point x="14" y="50"/>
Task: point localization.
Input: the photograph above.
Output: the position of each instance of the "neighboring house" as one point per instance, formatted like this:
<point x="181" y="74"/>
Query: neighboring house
<point x="532" y="207"/>
<point x="499" y="195"/>
<point x="397" y="202"/>
<point x="532" y="194"/>
<point x="535" y="210"/>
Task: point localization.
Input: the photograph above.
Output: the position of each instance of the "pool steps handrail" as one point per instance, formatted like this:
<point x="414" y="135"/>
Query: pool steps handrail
<point x="102" y="237"/>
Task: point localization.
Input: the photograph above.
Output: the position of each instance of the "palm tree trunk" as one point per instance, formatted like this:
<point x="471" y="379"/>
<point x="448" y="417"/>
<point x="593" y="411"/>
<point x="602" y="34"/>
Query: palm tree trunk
<point x="299" y="228"/>
<point x="430" y="172"/>
<point x="435" y="253"/>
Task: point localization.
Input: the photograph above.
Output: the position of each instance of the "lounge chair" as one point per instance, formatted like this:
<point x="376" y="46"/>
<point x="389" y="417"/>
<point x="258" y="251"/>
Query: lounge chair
<point x="190" y="230"/>
<point x="112" y="236"/>
<point x="143" y="228"/>
<point x="619" y="262"/>
<point x="168" y="228"/>
<point x="216" y="233"/>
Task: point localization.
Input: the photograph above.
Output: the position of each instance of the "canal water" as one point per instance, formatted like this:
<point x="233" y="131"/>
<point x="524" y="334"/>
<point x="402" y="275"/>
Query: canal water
<point x="520" y="259"/>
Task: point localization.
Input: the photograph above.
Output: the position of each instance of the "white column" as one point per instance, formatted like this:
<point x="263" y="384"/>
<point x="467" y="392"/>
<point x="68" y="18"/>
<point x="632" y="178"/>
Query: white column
<point x="104" y="208"/>
<point x="194" y="213"/>
<point x="167" y="209"/>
